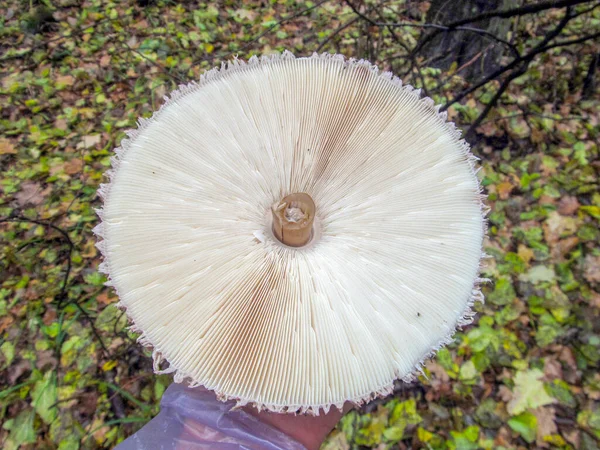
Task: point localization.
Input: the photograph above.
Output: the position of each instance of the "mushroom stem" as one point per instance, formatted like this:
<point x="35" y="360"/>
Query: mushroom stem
<point x="293" y="218"/>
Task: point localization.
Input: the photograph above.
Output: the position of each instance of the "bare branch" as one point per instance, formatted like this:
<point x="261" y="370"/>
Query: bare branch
<point x="337" y="31"/>
<point x="520" y="66"/>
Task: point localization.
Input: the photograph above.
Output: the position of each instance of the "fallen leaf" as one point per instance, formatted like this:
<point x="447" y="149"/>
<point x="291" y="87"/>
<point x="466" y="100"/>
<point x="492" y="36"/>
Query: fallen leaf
<point x="529" y="392"/>
<point x="591" y="268"/>
<point x="595" y="299"/>
<point x="105" y="299"/>
<point x="17" y="370"/>
<point x="5" y="322"/>
<point x="566" y="356"/>
<point x="105" y="61"/>
<point x="572" y="436"/>
<point x="30" y="194"/>
<point x="557" y="227"/>
<point x="73" y="166"/>
<point x="538" y="274"/>
<point x="245" y="14"/>
<point x="552" y="369"/>
<point x="504" y="189"/>
<point x="65" y="80"/>
<point x="22" y="431"/>
<point x="525" y="253"/>
<point x="45" y="360"/>
<point x="568" y="206"/>
<point x="564" y="246"/>
<point x="6" y="148"/>
<point x="545" y="424"/>
<point x="61" y="124"/>
<point x="91" y="140"/>
<point x="44" y="396"/>
<point x="505" y="394"/>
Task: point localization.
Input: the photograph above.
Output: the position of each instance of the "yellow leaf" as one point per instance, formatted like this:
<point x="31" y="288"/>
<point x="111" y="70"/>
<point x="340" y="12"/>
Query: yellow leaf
<point x="209" y="48"/>
<point x="525" y="253"/>
<point x="109" y="365"/>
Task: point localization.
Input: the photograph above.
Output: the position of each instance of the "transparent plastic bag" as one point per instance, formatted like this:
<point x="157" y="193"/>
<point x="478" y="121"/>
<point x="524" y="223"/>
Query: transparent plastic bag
<point x="195" y="419"/>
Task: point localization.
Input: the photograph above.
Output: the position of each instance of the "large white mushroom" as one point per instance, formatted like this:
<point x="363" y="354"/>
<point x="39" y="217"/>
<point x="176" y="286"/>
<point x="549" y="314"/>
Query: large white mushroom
<point x="294" y="233"/>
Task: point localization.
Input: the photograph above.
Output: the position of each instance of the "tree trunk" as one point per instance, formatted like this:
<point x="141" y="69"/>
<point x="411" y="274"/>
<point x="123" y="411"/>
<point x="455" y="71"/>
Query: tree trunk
<point x="474" y="54"/>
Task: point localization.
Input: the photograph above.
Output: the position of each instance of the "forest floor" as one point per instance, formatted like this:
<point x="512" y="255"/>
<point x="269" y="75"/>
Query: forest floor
<point x="74" y="77"/>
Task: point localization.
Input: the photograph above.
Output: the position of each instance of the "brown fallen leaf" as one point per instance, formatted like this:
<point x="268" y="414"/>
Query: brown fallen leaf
<point x="45" y="360"/>
<point x="595" y="300"/>
<point x="504" y="190"/>
<point x="73" y="166"/>
<point x="572" y="436"/>
<point x="17" y="370"/>
<point x="591" y="268"/>
<point x="552" y="369"/>
<point x="545" y="424"/>
<point x="49" y="317"/>
<point x="65" y="80"/>
<point x="105" y="61"/>
<point x="566" y="356"/>
<point x="568" y="206"/>
<point x="505" y="394"/>
<point x="105" y="299"/>
<point x="564" y="246"/>
<point x="439" y="376"/>
<point x="61" y="124"/>
<point x="6" y="148"/>
<point x="5" y="322"/>
<point x="30" y="194"/>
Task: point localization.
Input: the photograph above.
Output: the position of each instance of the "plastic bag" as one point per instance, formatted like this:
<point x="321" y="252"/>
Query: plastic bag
<point x="195" y="419"/>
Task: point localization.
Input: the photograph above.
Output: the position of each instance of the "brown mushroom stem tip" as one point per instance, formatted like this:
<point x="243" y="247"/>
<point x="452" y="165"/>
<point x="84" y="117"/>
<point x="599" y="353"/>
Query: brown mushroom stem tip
<point x="293" y="218"/>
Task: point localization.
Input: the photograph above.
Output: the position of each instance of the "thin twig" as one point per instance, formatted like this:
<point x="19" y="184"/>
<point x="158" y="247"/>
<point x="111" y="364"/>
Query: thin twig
<point x="540" y="48"/>
<point x="63" y="289"/>
<point x="479" y="31"/>
<point x="335" y="33"/>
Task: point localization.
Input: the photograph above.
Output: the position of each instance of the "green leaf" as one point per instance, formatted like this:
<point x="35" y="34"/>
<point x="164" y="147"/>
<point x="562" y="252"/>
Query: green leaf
<point x="468" y="372"/>
<point x="486" y="414"/>
<point x="592" y="210"/>
<point x="405" y="413"/>
<point x="503" y="293"/>
<point x="561" y="392"/>
<point x="44" y="397"/>
<point x="70" y="443"/>
<point x="465" y="440"/>
<point x="394" y="434"/>
<point x="371" y="433"/>
<point x="8" y="350"/>
<point x="22" y="431"/>
<point x="525" y="424"/>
